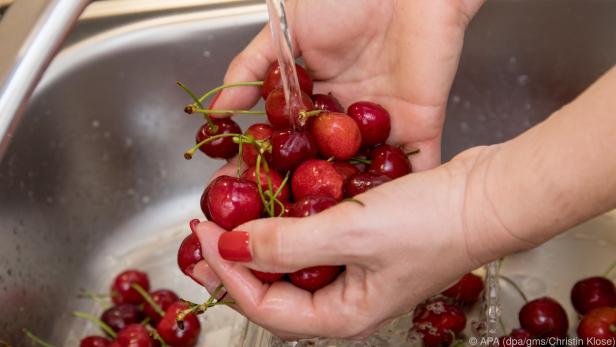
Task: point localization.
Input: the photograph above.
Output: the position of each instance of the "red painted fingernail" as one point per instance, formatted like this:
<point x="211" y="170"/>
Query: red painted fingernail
<point x="193" y="225"/>
<point x="214" y="99"/>
<point x="233" y="246"/>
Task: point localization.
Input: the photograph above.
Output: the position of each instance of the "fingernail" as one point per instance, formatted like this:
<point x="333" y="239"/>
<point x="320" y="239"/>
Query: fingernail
<point x="233" y="246"/>
<point x="193" y="225"/>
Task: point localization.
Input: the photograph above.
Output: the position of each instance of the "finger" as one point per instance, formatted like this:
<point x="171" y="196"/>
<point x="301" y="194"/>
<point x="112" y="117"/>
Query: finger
<point x="249" y="65"/>
<point x="289" y="311"/>
<point x="290" y="244"/>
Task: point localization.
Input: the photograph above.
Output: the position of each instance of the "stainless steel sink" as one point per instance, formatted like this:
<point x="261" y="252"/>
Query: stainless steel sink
<point x="94" y="179"/>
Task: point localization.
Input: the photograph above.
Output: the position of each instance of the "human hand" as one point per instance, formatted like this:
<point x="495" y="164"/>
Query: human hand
<point x="400" y="54"/>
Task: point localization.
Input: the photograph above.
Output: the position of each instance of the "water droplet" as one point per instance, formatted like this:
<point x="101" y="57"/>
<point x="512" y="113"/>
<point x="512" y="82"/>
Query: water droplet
<point x="207" y="54"/>
<point x="456" y="99"/>
<point x="96" y="124"/>
<point x="522" y="80"/>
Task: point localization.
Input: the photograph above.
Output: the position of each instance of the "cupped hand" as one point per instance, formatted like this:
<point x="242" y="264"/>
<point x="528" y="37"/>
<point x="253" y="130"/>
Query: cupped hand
<point x="400" y="54"/>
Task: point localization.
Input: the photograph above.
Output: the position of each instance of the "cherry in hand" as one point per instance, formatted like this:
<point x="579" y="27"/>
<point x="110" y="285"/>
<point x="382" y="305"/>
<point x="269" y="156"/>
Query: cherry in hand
<point x="276" y="179"/>
<point x="317" y="177"/>
<point x="373" y="120"/>
<point x="314" y="278"/>
<point x="259" y="132"/>
<point x="233" y="201"/>
<point x="327" y="102"/>
<point x="278" y="112"/>
<point x="364" y="181"/>
<point x="273" y="80"/>
<point x="390" y="161"/>
<point x="224" y="147"/>
<point x="467" y="290"/>
<point x="122" y="291"/>
<point x="336" y="135"/>
<point x="291" y="148"/>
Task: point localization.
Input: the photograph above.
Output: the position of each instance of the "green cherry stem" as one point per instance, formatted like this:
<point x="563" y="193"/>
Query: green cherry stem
<point x="36" y="339"/>
<point x="609" y="269"/>
<point x="148" y="298"/>
<point x="225" y="86"/>
<point x="205" y="111"/>
<point x="96" y="321"/>
<point x="239" y="156"/>
<point x="357" y="160"/>
<point x="304" y="115"/>
<point x="158" y="338"/>
<point x="261" y="194"/>
<point x="210" y="123"/>
<point x="189" y="153"/>
<point x="356" y="201"/>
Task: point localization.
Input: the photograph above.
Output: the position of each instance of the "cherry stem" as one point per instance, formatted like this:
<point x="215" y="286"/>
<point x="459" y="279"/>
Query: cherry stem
<point x="210" y="123"/>
<point x="515" y="286"/>
<point x="106" y="328"/>
<point x="284" y="182"/>
<point x="204" y="111"/>
<point x="359" y="202"/>
<point x="304" y="115"/>
<point x="100" y="299"/>
<point x="148" y="298"/>
<point x="201" y="308"/>
<point x="225" y="86"/>
<point x="189" y="153"/>
<point x="261" y="194"/>
<point x="413" y="151"/>
<point x="158" y="338"/>
<point x="239" y="154"/>
<point x="357" y="160"/>
<point x="36" y="339"/>
<point x="609" y="269"/>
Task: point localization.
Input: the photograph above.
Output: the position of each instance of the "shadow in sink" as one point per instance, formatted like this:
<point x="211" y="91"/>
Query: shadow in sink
<point x="95" y="181"/>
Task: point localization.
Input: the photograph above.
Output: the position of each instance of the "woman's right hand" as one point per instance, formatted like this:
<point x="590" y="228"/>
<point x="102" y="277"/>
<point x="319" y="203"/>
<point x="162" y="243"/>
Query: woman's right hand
<point x="400" y="54"/>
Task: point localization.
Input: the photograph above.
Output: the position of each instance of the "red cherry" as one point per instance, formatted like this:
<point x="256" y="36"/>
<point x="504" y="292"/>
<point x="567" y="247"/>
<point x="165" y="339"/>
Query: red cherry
<point x="314" y="278"/>
<point x="278" y="112"/>
<point x="327" y="103"/>
<point x="203" y="203"/>
<point x="121" y="291"/>
<point x="290" y="148"/>
<point x="95" y="341"/>
<point x="438" y="322"/>
<point x="593" y="292"/>
<point x="467" y="290"/>
<point x="261" y="132"/>
<point x="309" y="205"/>
<point x="233" y="201"/>
<point x="544" y="317"/>
<point x="598" y="327"/>
<point x="336" y="135"/>
<point x="364" y="181"/>
<point x="134" y="335"/>
<point x="317" y="177"/>
<point x="189" y="254"/>
<point x="120" y="316"/>
<point x="251" y="175"/>
<point x="171" y="333"/>
<point x="345" y="169"/>
<point x="373" y="121"/>
<point x="517" y="338"/>
<point x="273" y="80"/>
<point x="163" y="298"/>
<point x="224" y="147"/>
<point x="390" y="161"/>
<point x="267" y="277"/>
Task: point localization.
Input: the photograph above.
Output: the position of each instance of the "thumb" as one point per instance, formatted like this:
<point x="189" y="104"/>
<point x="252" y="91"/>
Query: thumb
<point x="289" y="244"/>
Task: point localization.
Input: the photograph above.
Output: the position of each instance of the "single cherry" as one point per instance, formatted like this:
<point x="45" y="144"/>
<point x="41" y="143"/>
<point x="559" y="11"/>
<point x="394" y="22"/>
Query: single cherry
<point x="317" y="177"/>
<point x="121" y="290"/>
<point x="327" y="102"/>
<point x="290" y="148"/>
<point x="544" y="317"/>
<point x="309" y="205"/>
<point x="232" y="201"/>
<point x="250" y="174"/>
<point x="278" y="112"/>
<point x="390" y="161"/>
<point x="373" y="121"/>
<point x="438" y="322"/>
<point x="267" y="277"/>
<point x="134" y="335"/>
<point x="261" y="132"/>
<point x="467" y="290"/>
<point x="598" y="327"/>
<point x="593" y="292"/>
<point x="345" y="169"/>
<point x="223" y="147"/>
<point x="172" y="334"/>
<point x="364" y="181"/>
<point x="189" y="254"/>
<point x="273" y="80"/>
<point x="163" y="298"/>
<point x="203" y="203"/>
<point x="336" y="135"/>
<point x="120" y="316"/>
<point x="95" y="341"/>
<point x="314" y="278"/>
<point x="517" y="338"/>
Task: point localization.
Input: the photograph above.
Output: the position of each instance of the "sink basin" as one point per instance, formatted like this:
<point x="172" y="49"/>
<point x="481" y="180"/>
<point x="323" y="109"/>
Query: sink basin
<point x="94" y="180"/>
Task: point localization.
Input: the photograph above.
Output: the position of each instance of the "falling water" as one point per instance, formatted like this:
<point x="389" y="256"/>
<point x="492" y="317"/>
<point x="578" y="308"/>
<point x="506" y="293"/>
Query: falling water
<point x="283" y="47"/>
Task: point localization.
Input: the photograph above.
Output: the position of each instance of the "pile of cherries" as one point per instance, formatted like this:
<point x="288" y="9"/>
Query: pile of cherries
<point x="308" y="158"/>
<point x="143" y="318"/>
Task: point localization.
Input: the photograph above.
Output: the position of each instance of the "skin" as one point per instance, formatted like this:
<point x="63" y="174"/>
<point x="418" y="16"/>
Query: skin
<point x="421" y="232"/>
